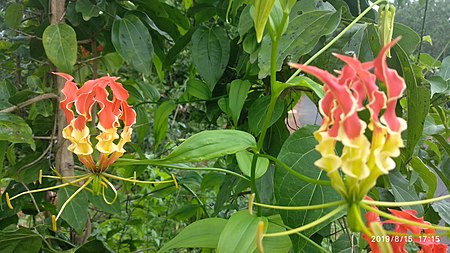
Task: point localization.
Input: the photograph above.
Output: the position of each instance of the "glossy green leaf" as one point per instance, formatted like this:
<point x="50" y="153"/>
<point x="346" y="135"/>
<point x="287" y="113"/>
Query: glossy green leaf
<point x="239" y="234"/>
<point x="417" y="110"/>
<point x="258" y="112"/>
<point x="404" y="191"/>
<point x="90" y="10"/>
<point x="244" y="159"/>
<point x="15" y="130"/>
<point x="161" y="123"/>
<point x="210" y="144"/>
<point x="210" y="53"/>
<point x="21" y="240"/>
<point x="13" y="15"/>
<point x="237" y="96"/>
<point x="60" y="44"/>
<point x="426" y="175"/>
<point x="298" y="152"/>
<point x="301" y="36"/>
<point x="198" y="89"/>
<point x="443" y="209"/>
<point x="76" y="212"/>
<point x="200" y="234"/>
<point x="245" y="22"/>
<point x="444" y="72"/>
<point x="261" y="16"/>
<point x="133" y="42"/>
<point x="443" y="142"/>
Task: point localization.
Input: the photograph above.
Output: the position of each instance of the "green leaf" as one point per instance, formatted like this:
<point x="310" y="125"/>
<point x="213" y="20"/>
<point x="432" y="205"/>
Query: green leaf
<point x="279" y="244"/>
<point x="200" y="234"/>
<point x="90" y="10"/>
<point x="258" y="112"/>
<point x="301" y="36"/>
<point x="245" y="22"/>
<point x="101" y="205"/>
<point x="419" y="96"/>
<point x="298" y="152"/>
<point x="112" y="62"/>
<point x="184" y="212"/>
<point x="211" y="144"/>
<point x="404" y="191"/>
<point x="343" y="244"/>
<point x="444" y="143"/>
<point x="238" y="94"/>
<point x="210" y="53"/>
<point x="244" y="159"/>
<point x="142" y="122"/>
<point x="443" y="209"/>
<point x="94" y="246"/>
<point x="132" y="41"/>
<point x="426" y="175"/>
<point x="15" y="130"/>
<point x="438" y="85"/>
<point x="13" y="15"/>
<point x="76" y="212"/>
<point x="261" y="15"/>
<point x="60" y="45"/>
<point x="149" y="91"/>
<point x="444" y="72"/>
<point x="161" y="122"/>
<point x="198" y="89"/>
<point x="303" y="81"/>
<point x="239" y="234"/>
<point x="410" y="39"/>
<point x="20" y="241"/>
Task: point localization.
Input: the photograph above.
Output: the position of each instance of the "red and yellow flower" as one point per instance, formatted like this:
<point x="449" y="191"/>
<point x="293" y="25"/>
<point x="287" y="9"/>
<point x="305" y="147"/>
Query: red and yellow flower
<point x="354" y="90"/>
<point x="111" y="98"/>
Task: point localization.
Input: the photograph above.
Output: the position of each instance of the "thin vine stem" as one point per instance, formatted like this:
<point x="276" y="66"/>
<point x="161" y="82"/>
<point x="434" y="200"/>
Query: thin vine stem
<point x="359" y="17"/>
<point x="406" y="203"/>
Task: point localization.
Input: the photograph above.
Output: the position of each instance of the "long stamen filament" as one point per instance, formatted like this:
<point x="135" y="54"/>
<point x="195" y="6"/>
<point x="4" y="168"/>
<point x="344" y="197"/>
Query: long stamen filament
<point x="309" y="225"/>
<point x="51" y="188"/>
<point x="404" y="221"/>
<point x="299" y="208"/>
<point x="406" y="203"/>
<point x="112" y="187"/>
<point x="136" y="181"/>
<point x="73" y="196"/>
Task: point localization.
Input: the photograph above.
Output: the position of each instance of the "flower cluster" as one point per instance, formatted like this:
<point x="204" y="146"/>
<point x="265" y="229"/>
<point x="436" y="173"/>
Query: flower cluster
<point x="113" y="109"/>
<point x="354" y="90"/>
<point x="402" y="233"/>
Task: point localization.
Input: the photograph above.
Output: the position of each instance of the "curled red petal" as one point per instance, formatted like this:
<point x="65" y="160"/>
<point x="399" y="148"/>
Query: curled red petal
<point x="70" y="92"/>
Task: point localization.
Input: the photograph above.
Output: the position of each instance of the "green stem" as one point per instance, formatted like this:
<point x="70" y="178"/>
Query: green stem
<point x="406" y="203"/>
<point x="404" y="221"/>
<point x="295" y="173"/>
<point x="309" y="225"/>
<point x="300" y="208"/>
<point x="360" y="16"/>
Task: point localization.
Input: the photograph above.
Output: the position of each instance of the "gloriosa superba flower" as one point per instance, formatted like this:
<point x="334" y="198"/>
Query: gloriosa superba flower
<point x="113" y="112"/>
<point x="367" y="153"/>
<point x="355" y="89"/>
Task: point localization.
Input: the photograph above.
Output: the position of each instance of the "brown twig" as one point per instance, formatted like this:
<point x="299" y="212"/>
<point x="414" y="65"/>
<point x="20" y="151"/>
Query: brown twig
<point x="29" y="102"/>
